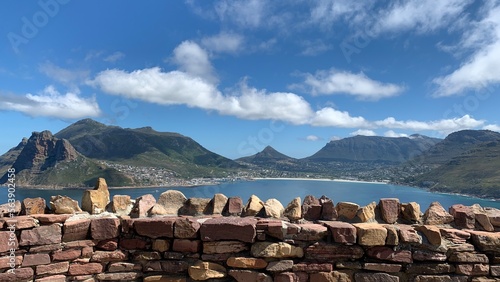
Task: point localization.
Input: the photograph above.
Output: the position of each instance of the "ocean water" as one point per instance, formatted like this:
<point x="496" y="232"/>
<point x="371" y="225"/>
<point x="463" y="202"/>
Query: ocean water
<point x="283" y="190"/>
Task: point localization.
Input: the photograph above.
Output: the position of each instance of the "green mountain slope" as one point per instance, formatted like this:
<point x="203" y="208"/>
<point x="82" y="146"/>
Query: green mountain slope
<point x="267" y="156"/>
<point x="374" y="149"/>
<point x="145" y="147"/>
<point x="474" y="172"/>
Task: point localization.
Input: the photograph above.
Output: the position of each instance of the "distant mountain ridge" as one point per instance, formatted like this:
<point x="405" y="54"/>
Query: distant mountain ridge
<point x="49" y="161"/>
<point x="375" y="149"/>
<point x="266" y="156"/>
<point x="143" y="147"/>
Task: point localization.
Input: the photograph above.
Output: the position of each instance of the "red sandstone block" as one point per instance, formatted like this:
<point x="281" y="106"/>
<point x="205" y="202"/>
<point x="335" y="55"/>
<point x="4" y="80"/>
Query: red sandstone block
<point x="389" y="209"/>
<point x="312" y="267"/>
<point x="249" y="275"/>
<point x="43" y="235"/>
<point x="430" y="268"/>
<point x="155" y="227"/>
<point x="108" y="244"/>
<point x="114" y="256"/>
<point x="35" y="259"/>
<point x="104" y="228"/>
<point x="85" y="268"/>
<point x="323" y="252"/>
<point x="53" y="278"/>
<point x="4" y="241"/>
<point x="229" y="228"/>
<point x="473" y="269"/>
<point x="51" y="218"/>
<point x="133" y="244"/>
<point x="388" y="254"/>
<point x="65" y="255"/>
<point x="186" y="228"/>
<point x="383" y="267"/>
<point x="20" y="274"/>
<point x="76" y="230"/>
<point x="464" y="216"/>
<point x="53" y="268"/>
<point x="342" y="232"/>
<point x="186" y="246"/>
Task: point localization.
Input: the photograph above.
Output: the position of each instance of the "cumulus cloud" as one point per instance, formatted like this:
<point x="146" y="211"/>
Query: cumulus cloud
<point x="364" y="132"/>
<point x="194" y="60"/>
<point x="344" y="82"/>
<point x="332" y="117"/>
<point x="313" y="138"/>
<point x="492" y="127"/>
<point x="313" y="48"/>
<point x="481" y="69"/>
<point x="224" y="42"/>
<point x="443" y="125"/>
<point x="391" y="133"/>
<point x="51" y="103"/>
<point x="246" y="13"/>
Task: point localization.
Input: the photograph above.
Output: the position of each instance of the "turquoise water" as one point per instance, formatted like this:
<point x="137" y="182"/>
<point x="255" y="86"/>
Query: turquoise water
<point x="284" y="191"/>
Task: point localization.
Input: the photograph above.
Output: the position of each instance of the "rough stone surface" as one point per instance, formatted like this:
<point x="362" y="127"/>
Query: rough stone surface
<point x="464" y="216"/>
<point x="6" y="209"/>
<point x="186" y="246"/>
<point x="35" y="259"/>
<point x="432" y="233"/>
<point x="76" y="229"/>
<point x="371" y="234"/>
<point x="494" y="216"/>
<point x="224" y="247"/>
<point x="104" y="228"/>
<point x="388" y="254"/>
<point x="347" y="210"/>
<point x="411" y="212"/>
<point x="328" y="211"/>
<point x="235" y="228"/>
<point x="367" y="213"/>
<point x="219" y="202"/>
<point x="206" y="270"/>
<point x="430" y="268"/>
<point x="234" y="206"/>
<point x="280" y="265"/>
<point x="424" y="255"/>
<point x="473" y="269"/>
<point x="160" y="245"/>
<point x="454" y="235"/>
<point x="85" y="268"/>
<point x="122" y="205"/>
<point x="33" y="206"/>
<point x="253" y="206"/>
<point x="486" y="241"/>
<point x="95" y="201"/>
<point x="311" y="208"/>
<point x="437" y="215"/>
<point x="342" y="232"/>
<point x="375" y="277"/>
<point x="273" y="208"/>
<point x="293" y="210"/>
<point x="142" y="206"/>
<point x="105" y="256"/>
<point x="389" y="209"/>
<point x="186" y="228"/>
<point x="43" y="235"/>
<point x="196" y="207"/>
<point x="275" y="250"/>
<point x="408" y="234"/>
<point x="392" y="235"/>
<point x="245" y="262"/>
<point x="64" y="205"/>
<point x="323" y="252"/>
<point x="383" y="267"/>
<point x="172" y="201"/>
<point x="249" y="275"/>
<point x="330" y="277"/>
<point x="155" y="227"/>
<point x="482" y="218"/>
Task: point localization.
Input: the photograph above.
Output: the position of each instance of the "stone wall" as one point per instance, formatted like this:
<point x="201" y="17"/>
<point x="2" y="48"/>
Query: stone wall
<point x="221" y="239"/>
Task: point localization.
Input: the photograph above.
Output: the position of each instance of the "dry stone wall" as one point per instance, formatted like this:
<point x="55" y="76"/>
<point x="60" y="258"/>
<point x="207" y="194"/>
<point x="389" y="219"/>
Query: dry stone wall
<point x="222" y="239"/>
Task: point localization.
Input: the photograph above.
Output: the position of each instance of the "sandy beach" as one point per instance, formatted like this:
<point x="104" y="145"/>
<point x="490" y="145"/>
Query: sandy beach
<point x="318" y="179"/>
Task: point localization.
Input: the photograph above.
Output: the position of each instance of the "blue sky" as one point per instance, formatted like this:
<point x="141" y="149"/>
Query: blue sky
<point x="237" y="76"/>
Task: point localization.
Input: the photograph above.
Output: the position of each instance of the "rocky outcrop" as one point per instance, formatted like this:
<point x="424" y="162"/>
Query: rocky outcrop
<point x="95" y="201"/>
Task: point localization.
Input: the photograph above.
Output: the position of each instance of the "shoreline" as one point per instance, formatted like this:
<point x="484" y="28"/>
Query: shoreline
<point x="319" y="179"/>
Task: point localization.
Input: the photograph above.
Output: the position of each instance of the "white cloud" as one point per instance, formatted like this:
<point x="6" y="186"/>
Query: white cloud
<point x="420" y="15"/>
<point x="492" y="127"/>
<point x="331" y="117"/>
<point x="358" y="85"/>
<point x="444" y="126"/>
<point x="313" y="48"/>
<point x="483" y="66"/>
<point x="326" y="12"/>
<point x="364" y="132"/>
<point x="245" y="13"/>
<point x="114" y="57"/>
<point x="335" y="138"/>
<point x="62" y="75"/>
<point x="192" y="59"/>
<point x="391" y="133"/>
<point x="51" y="103"/>
<point x="224" y="42"/>
<point x="313" y="138"/>
<point x="176" y="87"/>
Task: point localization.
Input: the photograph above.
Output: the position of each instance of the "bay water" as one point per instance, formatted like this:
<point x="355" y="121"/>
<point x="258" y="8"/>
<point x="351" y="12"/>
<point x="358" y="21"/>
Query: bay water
<point x="283" y="190"/>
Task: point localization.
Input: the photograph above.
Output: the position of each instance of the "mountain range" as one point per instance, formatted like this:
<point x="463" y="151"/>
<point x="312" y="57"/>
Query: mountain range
<point x="466" y="161"/>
